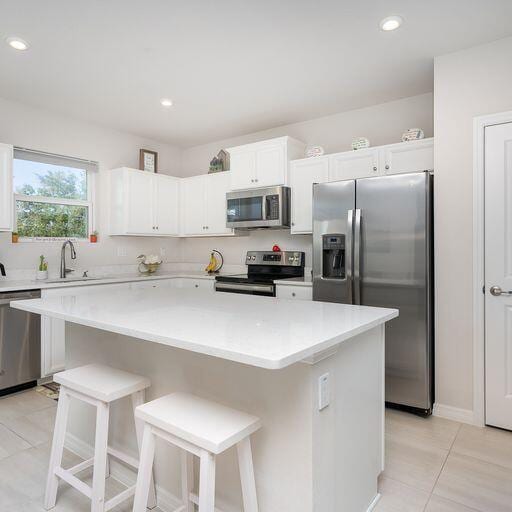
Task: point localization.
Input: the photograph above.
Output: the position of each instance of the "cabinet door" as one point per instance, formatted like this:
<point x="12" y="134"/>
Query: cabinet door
<point x="243" y="169"/>
<point x="216" y="187"/>
<point x="139" y="203"/>
<point x="303" y="173"/>
<point x="53" y="354"/>
<point x="410" y="156"/>
<point x="194" y="205"/>
<point x="294" y="292"/>
<point x="6" y="192"/>
<point x="270" y="166"/>
<point x="166" y="204"/>
<point x="354" y="164"/>
<point x="202" y="284"/>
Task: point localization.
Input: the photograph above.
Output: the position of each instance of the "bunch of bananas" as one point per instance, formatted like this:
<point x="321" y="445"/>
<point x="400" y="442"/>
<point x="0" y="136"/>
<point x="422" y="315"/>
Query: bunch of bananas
<point x="213" y="266"/>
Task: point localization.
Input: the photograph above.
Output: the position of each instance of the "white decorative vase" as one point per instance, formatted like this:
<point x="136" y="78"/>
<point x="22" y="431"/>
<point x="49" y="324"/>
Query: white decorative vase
<point x="41" y="275"/>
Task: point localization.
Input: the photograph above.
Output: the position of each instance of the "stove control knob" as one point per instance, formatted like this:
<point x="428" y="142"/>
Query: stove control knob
<point x="253" y="258"/>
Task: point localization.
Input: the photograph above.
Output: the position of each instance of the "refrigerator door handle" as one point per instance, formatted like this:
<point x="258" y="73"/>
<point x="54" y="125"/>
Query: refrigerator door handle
<point x="348" y="254"/>
<point x="357" y="257"/>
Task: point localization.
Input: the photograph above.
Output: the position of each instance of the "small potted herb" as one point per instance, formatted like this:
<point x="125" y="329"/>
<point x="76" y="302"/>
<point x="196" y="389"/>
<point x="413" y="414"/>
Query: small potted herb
<point x="15" y="237"/>
<point x="42" y="271"/>
<point x="93" y="237"/>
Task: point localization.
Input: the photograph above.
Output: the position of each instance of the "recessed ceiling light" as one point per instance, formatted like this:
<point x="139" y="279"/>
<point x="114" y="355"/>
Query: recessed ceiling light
<point x="17" y="43"/>
<point x="166" y="102"/>
<point x="391" y="23"/>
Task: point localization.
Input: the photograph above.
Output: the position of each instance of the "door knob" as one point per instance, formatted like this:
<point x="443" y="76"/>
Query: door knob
<point x="497" y="291"/>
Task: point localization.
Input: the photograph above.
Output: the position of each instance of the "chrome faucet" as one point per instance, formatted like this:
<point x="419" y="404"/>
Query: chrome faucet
<point x="63" y="270"/>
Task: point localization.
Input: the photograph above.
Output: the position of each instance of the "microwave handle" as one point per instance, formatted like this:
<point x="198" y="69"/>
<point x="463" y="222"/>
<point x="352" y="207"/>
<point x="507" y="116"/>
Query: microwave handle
<point x="264" y="207"/>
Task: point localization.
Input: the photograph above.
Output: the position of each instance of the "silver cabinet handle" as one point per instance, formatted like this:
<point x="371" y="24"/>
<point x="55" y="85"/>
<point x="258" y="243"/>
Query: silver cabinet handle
<point x="497" y="291"/>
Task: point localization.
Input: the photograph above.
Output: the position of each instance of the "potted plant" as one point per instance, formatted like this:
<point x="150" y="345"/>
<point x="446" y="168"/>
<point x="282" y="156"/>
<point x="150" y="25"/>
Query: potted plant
<point x="15" y="237"/>
<point x="93" y="237"/>
<point x="42" y="271"/>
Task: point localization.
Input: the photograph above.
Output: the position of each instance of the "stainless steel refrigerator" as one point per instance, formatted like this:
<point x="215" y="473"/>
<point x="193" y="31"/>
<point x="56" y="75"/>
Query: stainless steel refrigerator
<point x="373" y="245"/>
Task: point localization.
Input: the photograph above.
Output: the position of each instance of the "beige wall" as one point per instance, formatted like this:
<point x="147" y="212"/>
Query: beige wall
<point x="33" y="128"/>
<point x="469" y="83"/>
<point x="382" y="124"/>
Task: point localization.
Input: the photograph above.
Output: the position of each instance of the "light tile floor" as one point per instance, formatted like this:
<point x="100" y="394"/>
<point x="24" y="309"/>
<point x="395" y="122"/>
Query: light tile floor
<point x="432" y="465"/>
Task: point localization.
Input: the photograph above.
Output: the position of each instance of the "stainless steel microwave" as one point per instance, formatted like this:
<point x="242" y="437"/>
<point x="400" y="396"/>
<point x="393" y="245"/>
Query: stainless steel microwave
<point x="259" y="208"/>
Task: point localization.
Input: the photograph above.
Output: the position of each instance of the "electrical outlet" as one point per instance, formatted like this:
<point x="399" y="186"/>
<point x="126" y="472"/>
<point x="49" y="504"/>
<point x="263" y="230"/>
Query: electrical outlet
<point x="324" y="392"/>
<point x="121" y="251"/>
<point x="162" y="252"/>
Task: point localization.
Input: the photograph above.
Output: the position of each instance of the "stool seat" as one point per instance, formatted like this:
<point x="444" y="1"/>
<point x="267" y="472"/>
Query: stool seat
<point x="208" y="425"/>
<point x="102" y="382"/>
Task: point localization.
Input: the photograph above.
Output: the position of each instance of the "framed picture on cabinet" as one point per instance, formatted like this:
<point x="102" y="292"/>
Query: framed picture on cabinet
<point x="148" y="160"/>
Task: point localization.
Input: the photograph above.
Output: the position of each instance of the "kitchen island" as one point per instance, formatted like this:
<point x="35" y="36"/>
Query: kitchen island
<point x="315" y="452"/>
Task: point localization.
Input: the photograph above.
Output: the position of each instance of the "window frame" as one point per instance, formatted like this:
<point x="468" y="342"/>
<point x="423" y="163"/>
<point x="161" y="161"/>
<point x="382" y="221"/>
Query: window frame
<point x="91" y="169"/>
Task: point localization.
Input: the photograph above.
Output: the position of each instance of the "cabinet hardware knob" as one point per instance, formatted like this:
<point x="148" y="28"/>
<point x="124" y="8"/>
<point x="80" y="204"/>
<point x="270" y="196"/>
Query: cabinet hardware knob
<point x="197" y="286"/>
<point x="293" y="294"/>
<point x="387" y="167"/>
<point x="375" y="168"/>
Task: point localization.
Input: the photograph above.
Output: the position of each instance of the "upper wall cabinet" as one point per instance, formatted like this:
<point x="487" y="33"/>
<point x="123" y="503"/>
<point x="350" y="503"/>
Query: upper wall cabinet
<point x="204" y="205"/>
<point x="263" y="164"/>
<point x="6" y="192"/>
<point x="143" y="203"/>
<point x="303" y="174"/>
<point x="407" y="157"/>
<point x="353" y="165"/>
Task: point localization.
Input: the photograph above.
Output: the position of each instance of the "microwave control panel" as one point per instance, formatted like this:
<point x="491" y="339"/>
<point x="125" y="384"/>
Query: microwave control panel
<point x="272" y="207"/>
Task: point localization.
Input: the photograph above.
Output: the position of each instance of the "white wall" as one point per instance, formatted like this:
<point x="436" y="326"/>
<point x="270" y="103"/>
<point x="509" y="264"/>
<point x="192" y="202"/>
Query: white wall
<point x="469" y="83"/>
<point x="382" y="124"/>
<point x="32" y="128"/>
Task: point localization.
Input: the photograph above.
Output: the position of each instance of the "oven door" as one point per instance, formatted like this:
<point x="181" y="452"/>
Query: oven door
<point x="266" y="290"/>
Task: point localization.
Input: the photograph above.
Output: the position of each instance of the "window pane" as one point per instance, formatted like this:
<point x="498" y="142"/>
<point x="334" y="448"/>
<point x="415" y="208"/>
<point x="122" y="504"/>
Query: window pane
<point x="51" y="220"/>
<point x="42" y="179"/>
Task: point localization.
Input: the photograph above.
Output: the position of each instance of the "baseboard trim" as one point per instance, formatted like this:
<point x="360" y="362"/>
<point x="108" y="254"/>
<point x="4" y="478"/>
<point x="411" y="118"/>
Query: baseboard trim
<point x="454" y="413"/>
<point x="373" y="504"/>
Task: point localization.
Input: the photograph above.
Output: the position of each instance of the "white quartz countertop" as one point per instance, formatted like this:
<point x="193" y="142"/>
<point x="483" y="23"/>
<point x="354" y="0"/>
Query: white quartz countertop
<point x="261" y="331"/>
<point x="9" y="285"/>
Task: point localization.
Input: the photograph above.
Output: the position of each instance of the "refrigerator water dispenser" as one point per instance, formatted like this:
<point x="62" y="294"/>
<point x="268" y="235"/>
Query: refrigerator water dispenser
<point x="333" y="256"/>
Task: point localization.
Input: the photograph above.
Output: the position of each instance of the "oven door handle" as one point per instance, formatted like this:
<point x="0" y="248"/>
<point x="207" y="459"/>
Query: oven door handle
<point x="241" y="287"/>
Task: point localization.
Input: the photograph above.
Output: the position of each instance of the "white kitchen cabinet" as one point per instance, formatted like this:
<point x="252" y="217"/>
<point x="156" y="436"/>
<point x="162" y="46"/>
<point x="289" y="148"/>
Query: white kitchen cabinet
<point x="405" y="157"/>
<point x="151" y="283"/>
<point x="190" y="282"/>
<point x="53" y="335"/>
<point x="361" y="163"/>
<point x="204" y="205"/>
<point x="292" y="292"/>
<point x="6" y="191"/>
<point x="143" y="203"/>
<point x="263" y="164"/>
<point x="303" y="173"/>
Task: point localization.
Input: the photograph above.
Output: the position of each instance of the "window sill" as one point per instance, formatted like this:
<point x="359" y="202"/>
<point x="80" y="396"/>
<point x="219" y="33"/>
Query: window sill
<point x="24" y="240"/>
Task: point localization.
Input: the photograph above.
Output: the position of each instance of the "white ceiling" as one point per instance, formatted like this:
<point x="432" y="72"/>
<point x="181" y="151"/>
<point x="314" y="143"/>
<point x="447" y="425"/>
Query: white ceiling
<point x="230" y="66"/>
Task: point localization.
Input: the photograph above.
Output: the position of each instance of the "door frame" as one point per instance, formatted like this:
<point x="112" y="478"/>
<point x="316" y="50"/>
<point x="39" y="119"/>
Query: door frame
<point x="479" y="125"/>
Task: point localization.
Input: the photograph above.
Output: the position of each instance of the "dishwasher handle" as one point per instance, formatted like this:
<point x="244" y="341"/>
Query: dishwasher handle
<point x="7" y="297"/>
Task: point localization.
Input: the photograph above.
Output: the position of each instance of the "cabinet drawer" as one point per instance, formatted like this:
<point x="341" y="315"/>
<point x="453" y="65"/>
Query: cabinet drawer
<point x="294" y="292"/>
<point x="203" y="284"/>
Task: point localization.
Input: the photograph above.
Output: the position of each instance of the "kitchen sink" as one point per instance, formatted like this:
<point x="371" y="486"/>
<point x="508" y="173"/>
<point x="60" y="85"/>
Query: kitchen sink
<point x="73" y="279"/>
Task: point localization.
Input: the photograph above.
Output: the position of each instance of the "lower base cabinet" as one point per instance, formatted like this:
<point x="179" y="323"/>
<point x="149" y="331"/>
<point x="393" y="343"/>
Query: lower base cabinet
<point x="294" y="292"/>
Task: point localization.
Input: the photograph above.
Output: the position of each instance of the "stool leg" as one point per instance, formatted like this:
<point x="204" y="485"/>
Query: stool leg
<point x="247" y="475"/>
<point x="187" y="480"/>
<point x="207" y="482"/>
<point x="147" y="454"/>
<point x="100" y="458"/>
<point x="138" y="399"/>
<point x="59" y="436"/>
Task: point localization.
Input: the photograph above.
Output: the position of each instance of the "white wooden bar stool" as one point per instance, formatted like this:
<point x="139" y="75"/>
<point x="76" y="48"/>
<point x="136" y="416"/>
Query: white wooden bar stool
<point x="97" y="385"/>
<point x="202" y="428"/>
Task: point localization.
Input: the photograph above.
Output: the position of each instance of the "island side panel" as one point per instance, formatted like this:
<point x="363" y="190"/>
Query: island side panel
<point x="282" y="449"/>
<point x="348" y="435"/>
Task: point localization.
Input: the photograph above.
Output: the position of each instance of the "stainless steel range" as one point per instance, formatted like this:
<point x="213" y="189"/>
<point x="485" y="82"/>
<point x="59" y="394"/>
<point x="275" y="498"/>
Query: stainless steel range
<point x="263" y="267"/>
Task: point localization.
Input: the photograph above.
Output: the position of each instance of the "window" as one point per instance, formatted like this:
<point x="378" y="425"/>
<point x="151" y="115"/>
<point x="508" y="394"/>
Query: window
<point x="53" y="195"/>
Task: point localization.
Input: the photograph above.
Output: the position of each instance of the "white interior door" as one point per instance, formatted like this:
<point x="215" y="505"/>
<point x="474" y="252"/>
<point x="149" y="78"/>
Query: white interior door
<point x="498" y="275"/>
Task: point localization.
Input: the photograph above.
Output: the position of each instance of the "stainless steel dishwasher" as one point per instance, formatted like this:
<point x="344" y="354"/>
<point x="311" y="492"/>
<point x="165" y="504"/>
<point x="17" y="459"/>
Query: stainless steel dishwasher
<point x="20" y="343"/>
